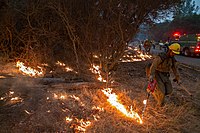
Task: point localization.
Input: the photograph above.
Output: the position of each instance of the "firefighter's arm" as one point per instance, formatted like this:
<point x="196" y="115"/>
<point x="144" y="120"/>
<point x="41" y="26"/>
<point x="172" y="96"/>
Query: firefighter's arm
<point x="153" y="67"/>
<point x="175" y="71"/>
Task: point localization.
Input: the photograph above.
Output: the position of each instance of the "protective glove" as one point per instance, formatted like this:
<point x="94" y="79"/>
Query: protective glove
<point x="151" y="78"/>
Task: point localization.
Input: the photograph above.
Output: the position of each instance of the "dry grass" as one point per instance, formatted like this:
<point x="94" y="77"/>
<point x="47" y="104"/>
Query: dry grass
<point x="41" y="111"/>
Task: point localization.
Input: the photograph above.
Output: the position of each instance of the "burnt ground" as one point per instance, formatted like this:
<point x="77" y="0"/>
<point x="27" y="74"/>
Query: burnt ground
<point x="44" y="104"/>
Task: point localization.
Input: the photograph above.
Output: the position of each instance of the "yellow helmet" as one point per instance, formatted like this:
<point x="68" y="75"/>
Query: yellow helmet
<point x="175" y="47"/>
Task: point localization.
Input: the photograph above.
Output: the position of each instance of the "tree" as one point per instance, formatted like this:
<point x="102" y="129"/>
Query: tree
<point x="185" y="21"/>
<point x="186" y="8"/>
<point x="79" y="29"/>
<point x="183" y="25"/>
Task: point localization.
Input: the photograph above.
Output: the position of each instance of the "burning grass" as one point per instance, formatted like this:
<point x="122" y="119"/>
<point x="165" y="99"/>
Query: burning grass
<point x="54" y="107"/>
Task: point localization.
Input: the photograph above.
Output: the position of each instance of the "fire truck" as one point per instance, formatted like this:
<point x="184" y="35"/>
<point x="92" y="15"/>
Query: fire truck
<point x="190" y="43"/>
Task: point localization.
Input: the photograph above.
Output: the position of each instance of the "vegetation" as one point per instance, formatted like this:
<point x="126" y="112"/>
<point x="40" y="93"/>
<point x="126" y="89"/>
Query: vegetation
<point x="186" y="21"/>
<point x="73" y="31"/>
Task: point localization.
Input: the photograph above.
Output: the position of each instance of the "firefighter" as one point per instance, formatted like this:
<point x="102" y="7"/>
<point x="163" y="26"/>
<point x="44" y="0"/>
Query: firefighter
<point x="147" y="45"/>
<point x="159" y="70"/>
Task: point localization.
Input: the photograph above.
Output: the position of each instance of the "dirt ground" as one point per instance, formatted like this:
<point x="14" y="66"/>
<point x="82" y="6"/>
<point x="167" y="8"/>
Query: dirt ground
<point x="55" y="105"/>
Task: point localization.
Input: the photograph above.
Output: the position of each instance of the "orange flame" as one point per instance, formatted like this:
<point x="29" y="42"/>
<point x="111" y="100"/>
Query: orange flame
<point x="67" y="69"/>
<point x="113" y="100"/>
<point x="83" y="125"/>
<point x="96" y="70"/>
<point x="28" y="70"/>
<point x="59" y="96"/>
<point x="68" y="119"/>
<point x="132" y="56"/>
<point x="60" y="63"/>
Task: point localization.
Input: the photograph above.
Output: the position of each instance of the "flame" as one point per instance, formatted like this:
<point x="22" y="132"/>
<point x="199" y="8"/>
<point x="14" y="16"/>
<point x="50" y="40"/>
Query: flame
<point x="113" y="100"/>
<point x="55" y="95"/>
<point x="62" y="97"/>
<point x="68" y="119"/>
<point x="2" y="98"/>
<point x="11" y="92"/>
<point x="2" y="77"/>
<point x="132" y="55"/>
<point x="67" y="69"/>
<point x="10" y="96"/>
<point x="83" y="125"/>
<point x="59" y="96"/>
<point x="96" y="117"/>
<point x="77" y="99"/>
<point x="60" y="63"/>
<point x="95" y="56"/>
<point x="15" y="99"/>
<point x="96" y="70"/>
<point x="97" y="108"/>
<point x="28" y="70"/>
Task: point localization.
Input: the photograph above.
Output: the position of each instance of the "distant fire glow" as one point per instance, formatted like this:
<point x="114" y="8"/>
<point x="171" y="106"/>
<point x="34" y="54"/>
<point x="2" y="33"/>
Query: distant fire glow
<point x="132" y="55"/>
<point x="28" y="70"/>
<point x="113" y="100"/>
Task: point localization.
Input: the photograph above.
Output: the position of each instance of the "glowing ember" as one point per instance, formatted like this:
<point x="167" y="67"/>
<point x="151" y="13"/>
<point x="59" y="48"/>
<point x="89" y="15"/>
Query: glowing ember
<point x="27" y="112"/>
<point x="44" y="64"/>
<point x="67" y="69"/>
<point x="60" y="64"/>
<point x="95" y="56"/>
<point x="95" y="70"/>
<point x="96" y="117"/>
<point x="28" y="70"/>
<point x="2" y="77"/>
<point x="113" y="100"/>
<point x="68" y="119"/>
<point x="15" y="99"/>
<point x="55" y="96"/>
<point x="2" y="98"/>
<point x="97" y="108"/>
<point x="83" y="125"/>
<point x="77" y="99"/>
<point x="11" y="92"/>
<point x="62" y="97"/>
<point x="59" y="96"/>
